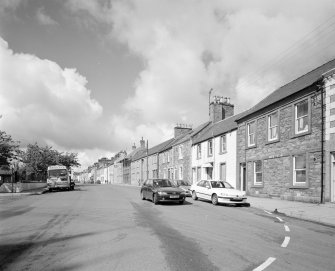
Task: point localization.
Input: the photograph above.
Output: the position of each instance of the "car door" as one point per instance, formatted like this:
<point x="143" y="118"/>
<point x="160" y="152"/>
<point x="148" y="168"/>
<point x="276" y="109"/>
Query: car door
<point x="149" y="190"/>
<point x="207" y="190"/>
<point x="200" y="189"/>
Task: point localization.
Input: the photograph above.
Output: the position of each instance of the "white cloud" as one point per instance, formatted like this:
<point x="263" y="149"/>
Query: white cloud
<point x="242" y="49"/>
<point x="42" y="102"/>
<point x="43" y="18"/>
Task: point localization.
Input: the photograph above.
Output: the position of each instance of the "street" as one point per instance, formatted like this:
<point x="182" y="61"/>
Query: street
<point x="108" y="227"/>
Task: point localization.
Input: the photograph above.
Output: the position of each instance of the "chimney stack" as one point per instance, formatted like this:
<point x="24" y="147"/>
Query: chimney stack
<point x="220" y="108"/>
<point x="142" y="143"/>
<point x="181" y="129"/>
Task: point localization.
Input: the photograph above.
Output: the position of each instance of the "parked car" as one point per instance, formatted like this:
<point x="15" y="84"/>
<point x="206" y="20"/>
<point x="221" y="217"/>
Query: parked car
<point x="218" y="192"/>
<point x="185" y="185"/>
<point x="159" y="190"/>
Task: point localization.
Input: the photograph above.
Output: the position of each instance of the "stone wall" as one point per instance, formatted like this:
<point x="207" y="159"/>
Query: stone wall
<point x="277" y="157"/>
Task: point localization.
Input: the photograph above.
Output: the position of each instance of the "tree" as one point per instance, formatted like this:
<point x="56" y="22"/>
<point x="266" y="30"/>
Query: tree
<point x="39" y="158"/>
<point x="9" y="149"/>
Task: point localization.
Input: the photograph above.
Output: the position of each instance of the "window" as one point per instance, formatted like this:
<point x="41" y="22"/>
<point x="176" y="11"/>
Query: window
<point x="258" y="172"/>
<point x="223" y="143"/>
<point x="180" y="152"/>
<point x="198" y="151"/>
<point x="251" y="128"/>
<point x="301" y="117"/>
<point x="210" y="147"/>
<point x="181" y="173"/>
<point x="299" y="170"/>
<point x="176" y="174"/>
<point x="168" y="156"/>
<point x="273" y="126"/>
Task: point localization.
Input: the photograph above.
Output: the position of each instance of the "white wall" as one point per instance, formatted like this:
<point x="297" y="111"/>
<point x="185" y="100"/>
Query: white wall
<point x="229" y="158"/>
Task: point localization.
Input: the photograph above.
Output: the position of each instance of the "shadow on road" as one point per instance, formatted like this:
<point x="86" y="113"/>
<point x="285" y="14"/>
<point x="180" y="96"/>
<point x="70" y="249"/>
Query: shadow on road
<point x="10" y="253"/>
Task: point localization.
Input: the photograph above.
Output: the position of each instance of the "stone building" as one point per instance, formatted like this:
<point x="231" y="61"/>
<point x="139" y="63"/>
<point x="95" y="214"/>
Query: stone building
<point x="329" y="91"/>
<point x="171" y="164"/>
<point x="280" y="142"/>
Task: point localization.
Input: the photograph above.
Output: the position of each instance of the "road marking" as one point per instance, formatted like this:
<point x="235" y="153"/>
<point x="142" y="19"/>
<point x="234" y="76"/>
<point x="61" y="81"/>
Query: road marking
<point x="265" y="264"/>
<point x="279" y="219"/>
<point x="267" y="212"/>
<point x="286" y="241"/>
<point x="286" y="228"/>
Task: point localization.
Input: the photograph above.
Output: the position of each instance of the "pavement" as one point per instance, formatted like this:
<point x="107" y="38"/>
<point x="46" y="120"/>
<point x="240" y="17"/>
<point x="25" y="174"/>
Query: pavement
<point x="319" y="213"/>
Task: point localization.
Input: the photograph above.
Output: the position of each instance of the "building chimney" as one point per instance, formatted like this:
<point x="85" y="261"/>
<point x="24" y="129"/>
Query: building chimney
<point x="142" y="143"/>
<point x="220" y="108"/>
<point x="181" y="129"/>
<point x="133" y="147"/>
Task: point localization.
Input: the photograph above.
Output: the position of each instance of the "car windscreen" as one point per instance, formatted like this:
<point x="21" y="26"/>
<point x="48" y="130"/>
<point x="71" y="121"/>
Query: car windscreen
<point x="163" y="183"/>
<point x="184" y="183"/>
<point x="220" y="184"/>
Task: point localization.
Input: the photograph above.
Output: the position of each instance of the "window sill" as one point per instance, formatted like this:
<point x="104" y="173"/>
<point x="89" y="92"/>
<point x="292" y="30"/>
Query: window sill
<point x="299" y="187"/>
<point x="258" y="185"/>
<point x="223" y="152"/>
<point x="301" y="134"/>
<point x="272" y="141"/>
<point x="251" y="147"/>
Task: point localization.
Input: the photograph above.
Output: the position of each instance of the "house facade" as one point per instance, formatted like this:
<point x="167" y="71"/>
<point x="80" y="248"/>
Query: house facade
<point x="214" y="148"/>
<point x="174" y="157"/>
<point x="329" y="89"/>
<point x="280" y="142"/>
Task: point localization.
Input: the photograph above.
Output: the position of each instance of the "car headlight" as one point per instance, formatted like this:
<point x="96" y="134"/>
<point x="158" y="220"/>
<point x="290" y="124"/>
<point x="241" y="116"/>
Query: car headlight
<point x="162" y="193"/>
<point x="225" y="194"/>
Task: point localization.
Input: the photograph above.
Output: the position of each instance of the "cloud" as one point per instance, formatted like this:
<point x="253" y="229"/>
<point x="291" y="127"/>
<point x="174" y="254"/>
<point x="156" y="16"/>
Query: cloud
<point x="9" y="5"/>
<point x="191" y="46"/>
<point x="41" y="102"/>
<point x="43" y="18"/>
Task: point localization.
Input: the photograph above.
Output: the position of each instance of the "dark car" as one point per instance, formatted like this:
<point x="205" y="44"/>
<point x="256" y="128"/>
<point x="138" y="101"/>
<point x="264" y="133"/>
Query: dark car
<point x="159" y="190"/>
<point x="184" y="185"/>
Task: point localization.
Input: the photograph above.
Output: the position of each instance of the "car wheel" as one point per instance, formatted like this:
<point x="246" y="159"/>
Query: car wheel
<point x="215" y="199"/>
<point x="155" y="199"/>
<point x="194" y="195"/>
<point x="142" y="195"/>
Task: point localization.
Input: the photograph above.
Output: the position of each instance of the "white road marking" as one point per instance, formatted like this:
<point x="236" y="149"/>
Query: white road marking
<point x="265" y="264"/>
<point x="286" y="228"/>
<point x="279" y="219"/>
<point x="286" y="241"/>
<point x="267" y="212"/>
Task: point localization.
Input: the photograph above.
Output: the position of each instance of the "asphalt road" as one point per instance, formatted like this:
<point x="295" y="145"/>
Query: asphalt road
<point x="108" y="227"/>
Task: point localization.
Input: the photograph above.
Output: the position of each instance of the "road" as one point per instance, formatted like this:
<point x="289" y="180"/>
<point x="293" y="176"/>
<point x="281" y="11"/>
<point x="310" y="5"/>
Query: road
<point x="108" y="227"/>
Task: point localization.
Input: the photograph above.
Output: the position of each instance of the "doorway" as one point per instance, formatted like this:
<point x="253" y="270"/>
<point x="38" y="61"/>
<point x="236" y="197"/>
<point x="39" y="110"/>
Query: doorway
<point x="243" y="181"/>
<point x="332" y="178"/>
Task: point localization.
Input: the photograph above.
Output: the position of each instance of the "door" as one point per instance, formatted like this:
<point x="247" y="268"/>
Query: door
<point x="198" y="174"/>
<point x="223" y="171"/>
<point x="243" y="181"/>
<point x="332" y="183"/>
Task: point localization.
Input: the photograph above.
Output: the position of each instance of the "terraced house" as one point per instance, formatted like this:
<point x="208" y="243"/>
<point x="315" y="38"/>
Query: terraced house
<point x="281" y="140"/>
<point x="214" y="148"/>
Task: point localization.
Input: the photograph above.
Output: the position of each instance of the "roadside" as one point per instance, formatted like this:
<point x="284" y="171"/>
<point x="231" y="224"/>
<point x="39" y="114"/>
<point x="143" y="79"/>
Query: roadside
<point x="320" y="213"/>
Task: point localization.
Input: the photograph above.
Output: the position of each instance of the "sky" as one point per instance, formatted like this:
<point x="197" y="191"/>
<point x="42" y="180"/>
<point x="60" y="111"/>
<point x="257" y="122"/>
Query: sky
<point x="94" y="77"/>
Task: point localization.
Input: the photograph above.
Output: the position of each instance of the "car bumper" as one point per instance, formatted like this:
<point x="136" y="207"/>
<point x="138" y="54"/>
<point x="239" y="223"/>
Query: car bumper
<point x="168" y="198"/>
<point x="235" y="201"/>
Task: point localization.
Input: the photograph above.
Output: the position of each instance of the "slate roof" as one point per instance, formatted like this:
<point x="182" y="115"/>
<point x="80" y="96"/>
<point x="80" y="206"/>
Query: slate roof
<point x="217" y="128"/>
<point x="291" y="88"/>
<point x="153" y="150"/>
